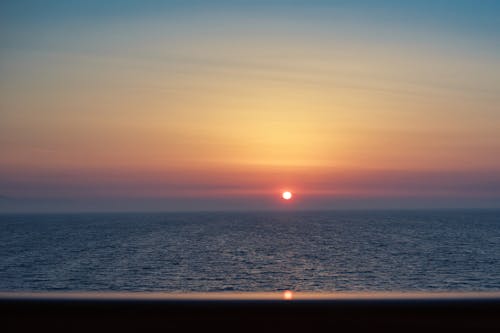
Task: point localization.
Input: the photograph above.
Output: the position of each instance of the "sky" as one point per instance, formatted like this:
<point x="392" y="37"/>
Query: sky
<point x="221" y="105"/>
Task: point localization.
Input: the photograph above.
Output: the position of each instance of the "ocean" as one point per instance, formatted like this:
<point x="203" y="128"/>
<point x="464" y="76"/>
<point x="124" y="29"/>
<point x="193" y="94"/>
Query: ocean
<point x="256" y="251"/>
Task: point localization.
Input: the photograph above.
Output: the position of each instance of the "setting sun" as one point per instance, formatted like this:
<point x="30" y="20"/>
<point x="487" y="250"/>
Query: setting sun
<point x="286" y="195"/>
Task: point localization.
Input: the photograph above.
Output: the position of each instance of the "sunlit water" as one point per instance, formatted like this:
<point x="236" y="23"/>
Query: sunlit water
<point x="307" y="251"/>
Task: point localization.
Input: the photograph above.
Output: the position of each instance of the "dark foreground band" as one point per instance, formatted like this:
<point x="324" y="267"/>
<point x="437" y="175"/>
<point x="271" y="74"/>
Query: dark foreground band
<point x="249" y="312"/>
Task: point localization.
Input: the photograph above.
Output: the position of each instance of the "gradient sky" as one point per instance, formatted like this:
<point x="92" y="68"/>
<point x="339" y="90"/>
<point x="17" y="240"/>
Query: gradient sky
<point x="157" y="105"/>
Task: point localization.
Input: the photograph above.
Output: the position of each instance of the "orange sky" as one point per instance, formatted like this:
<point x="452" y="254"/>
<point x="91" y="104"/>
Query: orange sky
<point x="225" y="105"/>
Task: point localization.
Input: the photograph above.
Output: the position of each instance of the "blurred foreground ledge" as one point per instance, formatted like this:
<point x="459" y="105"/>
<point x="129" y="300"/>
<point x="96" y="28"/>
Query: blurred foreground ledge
<point x="249" y="312"/>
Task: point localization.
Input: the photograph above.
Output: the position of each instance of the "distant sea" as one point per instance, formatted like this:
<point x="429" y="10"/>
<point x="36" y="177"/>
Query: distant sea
<point x="258" y="251"/>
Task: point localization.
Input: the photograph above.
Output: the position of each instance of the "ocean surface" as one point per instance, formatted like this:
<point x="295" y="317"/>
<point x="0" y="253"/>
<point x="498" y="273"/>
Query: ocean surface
<point x="265" y="251"/>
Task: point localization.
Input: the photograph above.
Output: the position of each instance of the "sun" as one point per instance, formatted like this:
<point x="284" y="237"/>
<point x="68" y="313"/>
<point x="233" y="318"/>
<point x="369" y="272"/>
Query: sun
<point x="286" y="195"/>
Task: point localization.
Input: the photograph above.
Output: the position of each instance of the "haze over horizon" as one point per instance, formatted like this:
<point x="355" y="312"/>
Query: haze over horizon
<point x="190" y="105"/>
